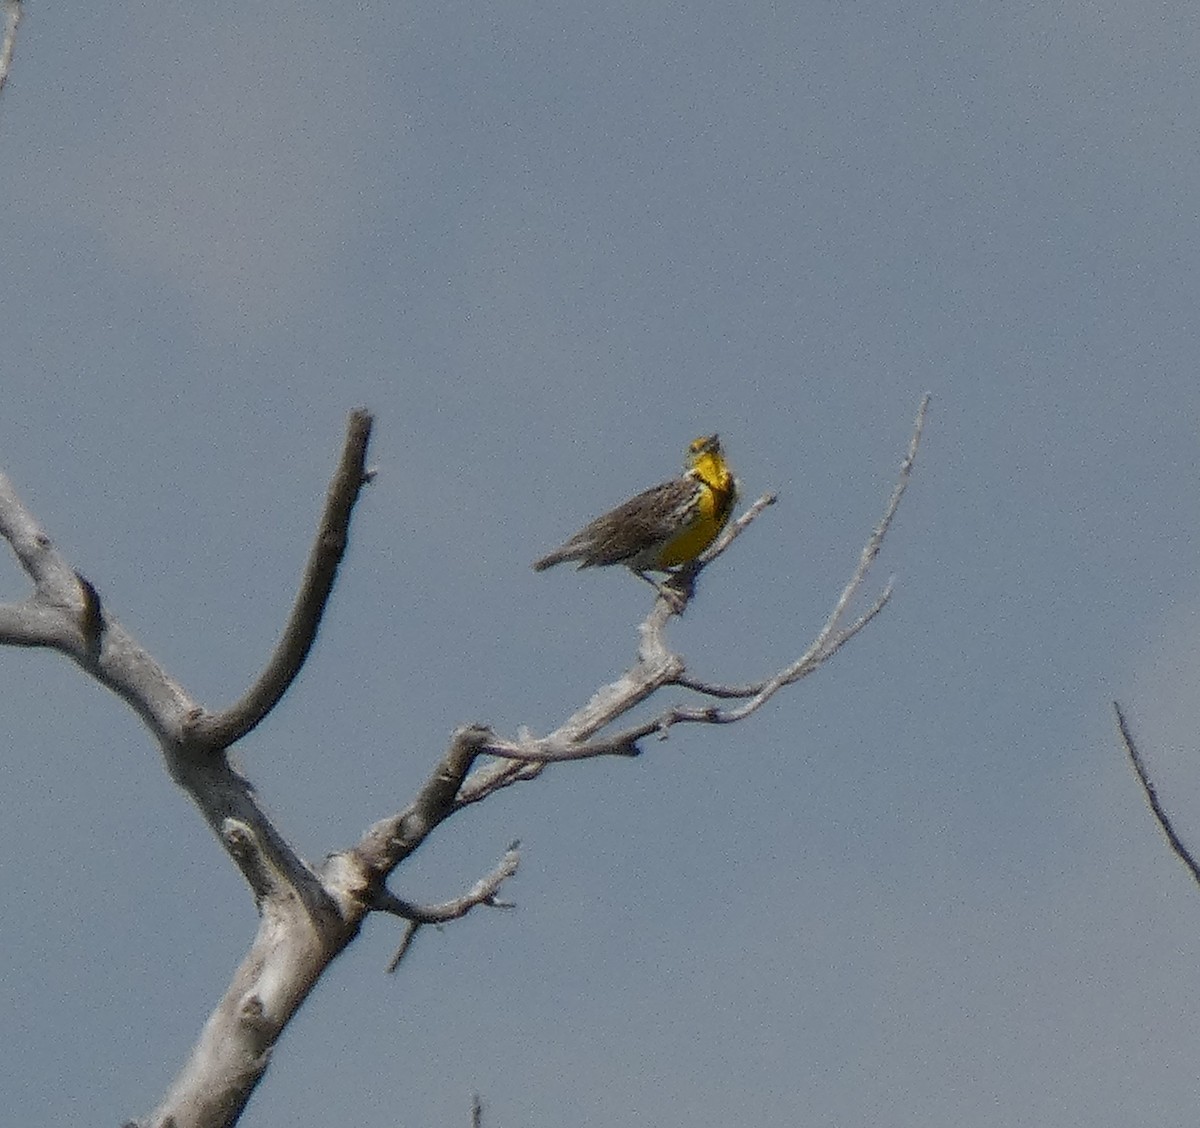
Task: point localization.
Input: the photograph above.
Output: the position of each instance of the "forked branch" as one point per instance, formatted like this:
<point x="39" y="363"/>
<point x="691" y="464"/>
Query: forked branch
<point x="307" y="917"/>
<point x="582" y="735"/>
<point x="486" y="891"/>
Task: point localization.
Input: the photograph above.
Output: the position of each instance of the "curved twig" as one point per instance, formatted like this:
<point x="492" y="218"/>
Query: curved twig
<point x="577" y="738"/>
<point x="215" y="731"/>
<point x="715" y="689"/>
<point x="1164" y="821"/>
<point x="484" y="892"/>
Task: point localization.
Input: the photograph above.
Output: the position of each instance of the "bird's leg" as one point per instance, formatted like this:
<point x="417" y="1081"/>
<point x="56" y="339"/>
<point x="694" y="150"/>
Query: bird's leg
<point x="676" y="590"/>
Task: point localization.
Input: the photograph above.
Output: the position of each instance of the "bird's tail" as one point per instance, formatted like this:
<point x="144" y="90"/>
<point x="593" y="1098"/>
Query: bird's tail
<point x="548" y="561"/>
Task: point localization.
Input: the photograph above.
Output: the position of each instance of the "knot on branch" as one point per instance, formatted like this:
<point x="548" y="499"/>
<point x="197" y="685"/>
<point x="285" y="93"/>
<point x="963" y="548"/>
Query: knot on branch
<point x="252" y="1013"/>
<point x="239" y="839"/>
<point x="471" y="739"/>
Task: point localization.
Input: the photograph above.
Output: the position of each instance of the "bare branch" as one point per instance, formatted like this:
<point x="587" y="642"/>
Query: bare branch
<point x="65" y="614"/>
<point x="525" y="758"/>
<point x="1164" y="821"/>
<point x="655" y="668"/>
<point x="550" y="750"/>
<point x="244" y="845"/>
<point x="494" y="777"/>
<point x="871" y="551"/>
<point x="832" y="637"/>
<point x="54" y="581"/>
<point x="483" y="892"/>
<point x="304" y="923"/>
<point x="12" y="19"/>
<point x="734" y="530"/>
<point x="825" y="647"/>
<point x="714" y="689"/>
<point x="676" y="592"/>
<point x="815" y="656"/>
<point x="214" y="731"/>
<point x="393" y="839"/>
<point x="410" y="932"/>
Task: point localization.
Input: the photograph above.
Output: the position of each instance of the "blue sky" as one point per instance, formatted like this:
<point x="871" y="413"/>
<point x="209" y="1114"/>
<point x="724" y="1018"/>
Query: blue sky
<point x="548" y="245"/>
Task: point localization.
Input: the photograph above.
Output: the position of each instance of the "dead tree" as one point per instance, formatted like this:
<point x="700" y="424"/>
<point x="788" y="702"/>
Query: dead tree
<point x="309" y="913"/>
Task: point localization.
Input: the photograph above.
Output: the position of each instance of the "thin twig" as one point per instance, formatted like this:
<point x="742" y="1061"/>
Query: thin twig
<point x="523" y="759"/>
<point x="1164" y="821"/>
<point x="655" y="668"/>
<point x="484" y="892"/>
<point x="495" y="777"/>
<point x="677" y="591"/>
<point x="817" y="655"/>
<point x="832" y="637"/>
<point x="410" y="932"/>
<point x="714" y="689"/>
<point x="734" y="530"/>
<point x="871" y="550"/>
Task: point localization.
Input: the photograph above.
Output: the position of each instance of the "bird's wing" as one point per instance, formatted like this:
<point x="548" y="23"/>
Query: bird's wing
<point x="642" y="521"/>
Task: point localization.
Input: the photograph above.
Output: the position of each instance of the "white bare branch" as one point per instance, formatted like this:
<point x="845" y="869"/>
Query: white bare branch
<point x="578" y="739"/>
<point x="8" y="42"/>
<point x="525" y="758"/>
<point x="64" y="614"/>
<point x="484" y="892"/>
<point x="306" y="917"/>
<point x="554" y="750"/>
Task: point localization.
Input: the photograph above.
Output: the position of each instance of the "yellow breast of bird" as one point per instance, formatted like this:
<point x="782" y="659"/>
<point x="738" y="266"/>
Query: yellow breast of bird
<point x="712" y="511"/>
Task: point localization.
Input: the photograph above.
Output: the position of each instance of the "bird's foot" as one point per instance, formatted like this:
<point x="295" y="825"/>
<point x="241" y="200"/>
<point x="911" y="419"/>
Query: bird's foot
<point x="677" y="589"/>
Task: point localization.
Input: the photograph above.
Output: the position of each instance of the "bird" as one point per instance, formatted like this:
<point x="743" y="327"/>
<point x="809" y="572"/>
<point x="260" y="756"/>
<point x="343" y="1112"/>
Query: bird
<point x="662" y="528"/>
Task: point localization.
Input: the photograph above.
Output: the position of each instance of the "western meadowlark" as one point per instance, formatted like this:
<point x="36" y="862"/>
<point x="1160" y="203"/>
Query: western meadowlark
<point x="664" y="527"/>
